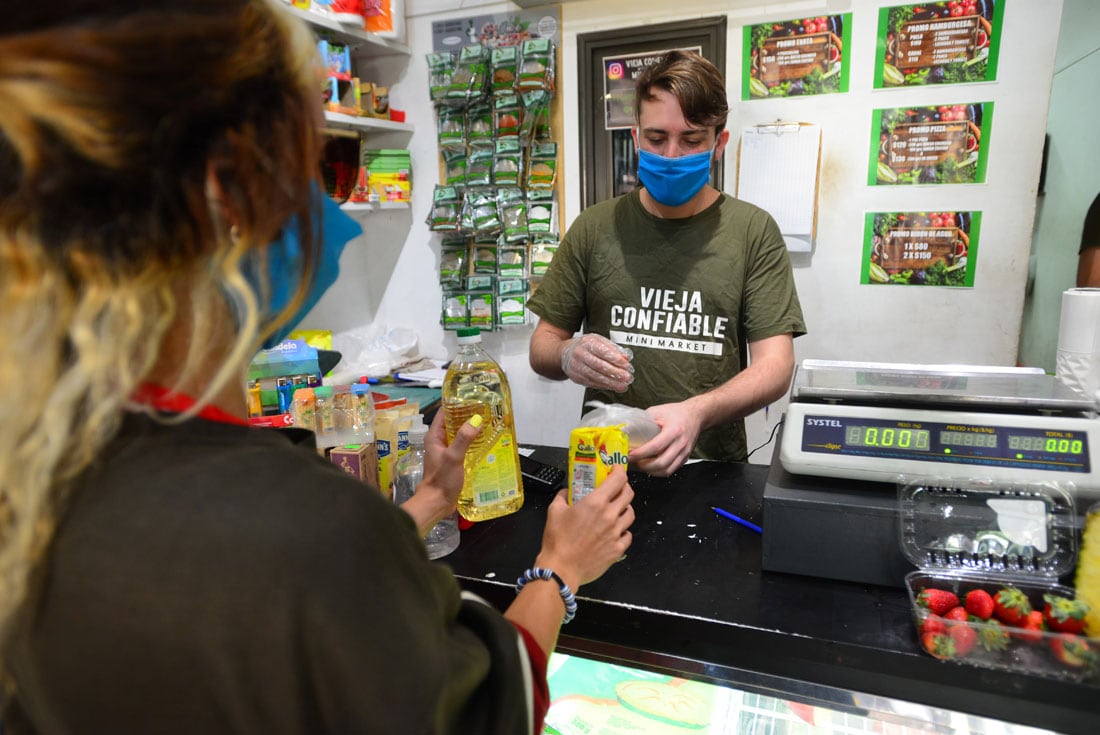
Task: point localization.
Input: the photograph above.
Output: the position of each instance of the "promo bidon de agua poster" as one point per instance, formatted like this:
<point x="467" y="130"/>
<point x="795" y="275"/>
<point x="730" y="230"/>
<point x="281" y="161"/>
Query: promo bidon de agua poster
<point x="920" y="248"/>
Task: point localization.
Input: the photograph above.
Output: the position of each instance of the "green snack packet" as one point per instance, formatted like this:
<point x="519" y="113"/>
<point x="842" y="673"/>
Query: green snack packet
<point x="512" y="310"/>
<point x="446" y="205"/>
<point x="455" y="310"/>
<point x="507" y="161"/>
<point x="505" y="66"/>
<point x="506" y="116"/>
<point x="481" y="310"/>
<point x="537" y="65"/>
<point x="441" y="66"/>
<point x="542" y="166"/>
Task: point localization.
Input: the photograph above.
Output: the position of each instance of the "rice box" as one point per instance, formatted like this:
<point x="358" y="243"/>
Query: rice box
<point x="593" y="452"/>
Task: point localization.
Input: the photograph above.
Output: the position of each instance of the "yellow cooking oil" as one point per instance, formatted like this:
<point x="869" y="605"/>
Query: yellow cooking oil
<point x="476" y="384"/>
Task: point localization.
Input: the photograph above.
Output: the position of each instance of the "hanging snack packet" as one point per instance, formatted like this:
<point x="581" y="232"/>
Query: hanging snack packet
<point x="485" y="257"/>
<point x="452" y="262"/>
<point x="454" y="166"/>
<point x="542" y="253"/>
<point x="481" y="310"/>
<point x="479" y="125"/>
<point x="537" y="65"/>
<point x="512" y="310"/>
<point x="455" y="312"/>
<point x="506" y="115"/>
<point x="509" y="286"/>
<point x="507" y="161"/>
<point x="470" y="74"/>
<point x="542" y="209"/>
<point x="479" y="282"/>
<point x="479" y="167"/>
<point x="512" y="263"/>
<point x="445" y="209"/>
<point x="486" y="220"/>
<point x="542" y="166"/>
<point x="441" y="65"/>
<point x="513" y="214"/>
<point x="452" y="129"/>
<point x="536" y="110"/>
<point x="505" y="63"/>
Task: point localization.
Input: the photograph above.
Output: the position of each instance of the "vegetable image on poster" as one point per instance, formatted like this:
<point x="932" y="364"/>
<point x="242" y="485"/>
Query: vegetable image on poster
<point x="920" y="248"/>
<point x="952" y="42"/>
<point x="942" y="144"/>
<point x="790" y="58"/>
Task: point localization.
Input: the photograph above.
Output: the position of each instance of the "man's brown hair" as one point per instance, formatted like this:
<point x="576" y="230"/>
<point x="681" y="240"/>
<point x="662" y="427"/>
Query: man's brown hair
<point x="695" y="82"/>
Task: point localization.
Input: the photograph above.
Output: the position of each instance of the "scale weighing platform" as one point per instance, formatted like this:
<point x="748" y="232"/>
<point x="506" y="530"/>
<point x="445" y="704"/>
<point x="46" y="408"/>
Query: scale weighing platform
<point x="853" y="429"/>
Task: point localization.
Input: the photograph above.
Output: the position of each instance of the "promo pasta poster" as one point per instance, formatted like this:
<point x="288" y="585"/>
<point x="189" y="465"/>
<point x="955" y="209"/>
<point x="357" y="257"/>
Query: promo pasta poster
<point x="800" y="57"/>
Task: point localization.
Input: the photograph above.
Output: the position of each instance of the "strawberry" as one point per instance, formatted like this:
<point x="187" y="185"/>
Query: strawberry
<point x="993" y="636"/>
<point x="956" y="614"/>
<point x="1064" y="615"/>
<point x="1011" y="606"/>
<point x="938" y="645"/>
<point x="932" y="624"/>
<point x="937" y="600"/>
<point x="1072" y="650"/>
<point x="979" y="603"/>
<point x="965" y="638"/>
<point x="1032" y="629"/>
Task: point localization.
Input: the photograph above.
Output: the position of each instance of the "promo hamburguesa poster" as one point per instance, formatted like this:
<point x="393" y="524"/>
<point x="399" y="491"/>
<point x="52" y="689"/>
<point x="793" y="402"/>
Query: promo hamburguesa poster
<point x="952" y="42"/>
<point x="796" y="57"/>
<point x="939" y="144"/>
<point x="920" y="248"/>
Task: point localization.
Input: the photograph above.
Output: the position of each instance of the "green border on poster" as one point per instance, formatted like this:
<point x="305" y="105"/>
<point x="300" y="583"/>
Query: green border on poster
<point x="980" y="165"/>
<point x="974" y="235"/>
<point x="996" y="27"/>
<point x="845" y="58"/>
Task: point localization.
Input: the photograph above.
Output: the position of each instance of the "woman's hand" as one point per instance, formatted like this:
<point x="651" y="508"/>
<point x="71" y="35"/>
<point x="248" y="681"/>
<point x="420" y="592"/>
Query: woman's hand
<point x="436" y="496"/>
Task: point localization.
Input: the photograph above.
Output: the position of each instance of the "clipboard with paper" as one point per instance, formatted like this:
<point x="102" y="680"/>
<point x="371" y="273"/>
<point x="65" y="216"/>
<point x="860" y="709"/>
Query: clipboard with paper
<point x="777" y="170"/>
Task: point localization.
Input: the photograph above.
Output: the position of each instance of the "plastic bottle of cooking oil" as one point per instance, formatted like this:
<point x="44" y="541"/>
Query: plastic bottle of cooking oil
<point x="475" y="383"/>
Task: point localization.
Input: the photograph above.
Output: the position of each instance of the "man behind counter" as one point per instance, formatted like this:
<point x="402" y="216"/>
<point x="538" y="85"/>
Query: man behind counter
<point x="680" y="274"/>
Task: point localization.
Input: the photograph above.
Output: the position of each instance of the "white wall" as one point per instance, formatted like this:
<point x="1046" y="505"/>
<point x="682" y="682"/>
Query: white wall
<point x="391" y="279"/>
<point x="1073" y="180"/>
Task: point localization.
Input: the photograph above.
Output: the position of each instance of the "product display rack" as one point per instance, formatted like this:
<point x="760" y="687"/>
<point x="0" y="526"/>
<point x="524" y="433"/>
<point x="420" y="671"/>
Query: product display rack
<point x="379" y="46"/>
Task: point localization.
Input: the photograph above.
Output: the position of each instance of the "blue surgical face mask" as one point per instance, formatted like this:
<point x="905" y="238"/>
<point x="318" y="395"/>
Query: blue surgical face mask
<point x="674" y="181"/>
<point x="334" y="229"/>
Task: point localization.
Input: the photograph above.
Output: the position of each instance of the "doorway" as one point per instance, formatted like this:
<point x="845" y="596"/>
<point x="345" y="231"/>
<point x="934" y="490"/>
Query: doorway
<point x="609" y="62"/>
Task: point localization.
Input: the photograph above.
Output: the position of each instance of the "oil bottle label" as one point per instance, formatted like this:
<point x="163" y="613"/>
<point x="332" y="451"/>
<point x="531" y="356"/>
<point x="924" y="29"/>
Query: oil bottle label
<point x="494" y="478"/>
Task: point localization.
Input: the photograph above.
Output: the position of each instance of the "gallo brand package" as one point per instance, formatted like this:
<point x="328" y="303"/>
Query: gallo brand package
<point x="593" y="452"/>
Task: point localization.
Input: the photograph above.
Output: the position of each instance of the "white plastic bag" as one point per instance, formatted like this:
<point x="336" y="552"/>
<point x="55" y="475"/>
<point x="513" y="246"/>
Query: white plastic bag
<point x="637" y="423"/>
<point x="371" y="351"/>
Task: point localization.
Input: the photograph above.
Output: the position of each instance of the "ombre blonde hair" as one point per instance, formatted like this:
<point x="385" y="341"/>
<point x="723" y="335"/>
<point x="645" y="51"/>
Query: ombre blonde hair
<point x="133" y="138"/>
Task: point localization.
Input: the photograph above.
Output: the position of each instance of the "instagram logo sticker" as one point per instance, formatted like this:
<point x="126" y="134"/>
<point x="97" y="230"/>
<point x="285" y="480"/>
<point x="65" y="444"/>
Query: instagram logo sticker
<point x="615" y="71"/>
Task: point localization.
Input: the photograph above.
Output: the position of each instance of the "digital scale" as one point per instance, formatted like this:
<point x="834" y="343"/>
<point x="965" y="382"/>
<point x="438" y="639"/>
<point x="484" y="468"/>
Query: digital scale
<point x="854" y="429"/>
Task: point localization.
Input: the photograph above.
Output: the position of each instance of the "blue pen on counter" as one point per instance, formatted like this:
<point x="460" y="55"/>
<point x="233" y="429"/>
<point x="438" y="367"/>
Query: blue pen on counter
<point x="737" y="519"/>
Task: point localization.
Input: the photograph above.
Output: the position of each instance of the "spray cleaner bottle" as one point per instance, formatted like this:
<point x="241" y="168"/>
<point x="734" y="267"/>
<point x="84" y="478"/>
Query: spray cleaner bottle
<point x="476" y="384"/>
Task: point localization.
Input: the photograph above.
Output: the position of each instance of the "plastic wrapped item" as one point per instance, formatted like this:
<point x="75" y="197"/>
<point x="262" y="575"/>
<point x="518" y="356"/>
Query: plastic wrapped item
<point x="635" y="421"/>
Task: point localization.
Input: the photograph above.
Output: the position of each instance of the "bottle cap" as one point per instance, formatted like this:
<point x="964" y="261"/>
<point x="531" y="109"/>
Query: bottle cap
<point x="468" y="335"/>
<point x="360" y="388"/>
<point x="303" y="394"/>
<point x="418" y="428"/>
<point x="323" y="391"/>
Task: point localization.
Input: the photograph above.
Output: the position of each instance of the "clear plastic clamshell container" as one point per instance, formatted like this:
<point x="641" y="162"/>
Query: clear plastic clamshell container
<point x="973" y="535"/>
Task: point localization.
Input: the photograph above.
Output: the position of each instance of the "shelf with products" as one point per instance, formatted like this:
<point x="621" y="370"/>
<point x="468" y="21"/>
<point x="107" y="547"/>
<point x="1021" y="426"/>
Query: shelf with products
<point x="377" y="45"/>
<point x="344" y="121"/>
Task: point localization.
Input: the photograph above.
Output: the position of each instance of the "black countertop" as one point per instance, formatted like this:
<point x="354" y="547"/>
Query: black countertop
<point x="690" y="597"/>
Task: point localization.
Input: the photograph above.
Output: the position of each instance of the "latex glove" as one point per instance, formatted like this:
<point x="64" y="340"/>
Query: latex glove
<point x="594" y="361"/>
<point x="665" y="453"/>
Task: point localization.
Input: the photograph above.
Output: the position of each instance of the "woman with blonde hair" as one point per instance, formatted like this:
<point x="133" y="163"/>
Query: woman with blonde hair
<point x="164" y="567"/>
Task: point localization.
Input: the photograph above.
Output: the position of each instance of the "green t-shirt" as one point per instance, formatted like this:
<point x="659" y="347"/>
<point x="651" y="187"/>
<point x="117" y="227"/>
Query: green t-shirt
<point x="683" y="294"/>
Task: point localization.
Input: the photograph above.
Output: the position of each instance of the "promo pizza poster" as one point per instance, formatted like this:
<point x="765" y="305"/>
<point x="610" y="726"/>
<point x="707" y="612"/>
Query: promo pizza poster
<point x="952" y="42"/>
<point x="800" y="57"/>
<point x="920" y="248"/>
<point x="937" y="144"/>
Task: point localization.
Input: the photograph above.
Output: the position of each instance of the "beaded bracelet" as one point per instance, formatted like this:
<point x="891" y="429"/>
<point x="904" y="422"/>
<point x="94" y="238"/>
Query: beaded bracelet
<point x="535" y="573"/>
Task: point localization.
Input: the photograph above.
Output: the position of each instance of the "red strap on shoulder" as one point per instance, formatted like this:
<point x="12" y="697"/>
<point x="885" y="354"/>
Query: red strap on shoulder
<point x="162" y="399"/>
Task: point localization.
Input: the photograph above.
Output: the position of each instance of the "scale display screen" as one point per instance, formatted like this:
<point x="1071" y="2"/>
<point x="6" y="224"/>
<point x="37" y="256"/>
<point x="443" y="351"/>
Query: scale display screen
<point x="1056" y="450"/>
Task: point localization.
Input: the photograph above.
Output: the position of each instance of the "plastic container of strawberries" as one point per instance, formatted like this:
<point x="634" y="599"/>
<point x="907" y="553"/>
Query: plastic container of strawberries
<point x="966" y="535"/>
